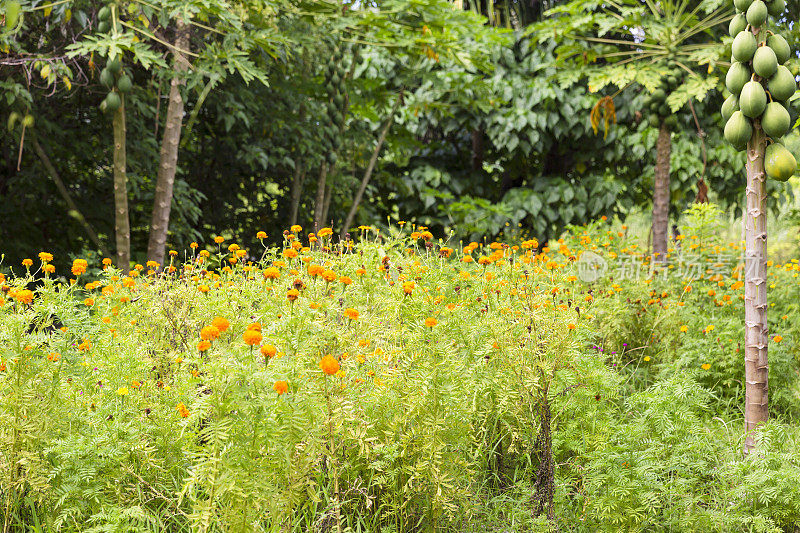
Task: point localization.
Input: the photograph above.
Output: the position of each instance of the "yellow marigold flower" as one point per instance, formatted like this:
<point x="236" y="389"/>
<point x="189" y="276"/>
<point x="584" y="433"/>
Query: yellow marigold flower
<point x="221" y="323"/>
<point x="777" y="338"/>
<point x="209" y="333"/>
<point x="182" y="410"/>
<point x="152" y="264"/>
<point x="261" y="235"/>
<point x="122" y="391"/>
<point x="252" y="337"/>
<point x="430" y="322"/>
<point x="79" y="266"/>
<point x="684" y="329"/>
<point x="193" y="246"/>
<point x="345" y="280"/>
<point x="45" y="257"/>
<point x="27" y="262"/>
<point x="296" y="229"/>
<point x="329" y="365"/>
<point x="219" y="239"/>
<point x="351" y="313"/>
<point x="571" y="326"/>
<point x="408" y="287"/>
<point x="255" y="326"/>
<point x="646" y="358"/>
<point x="280" y="387"/>
<point x="203" y="288"/>
<point x="88" y="302"/>
<point x="173" y="253"/>
<point x="49" y="268"/>
<point x="292" y="294"/>
<point x="325" y="232"/>
<point x="361" y="271"/>
<point x="705" y="366"/>
<point x="202" y="346"/>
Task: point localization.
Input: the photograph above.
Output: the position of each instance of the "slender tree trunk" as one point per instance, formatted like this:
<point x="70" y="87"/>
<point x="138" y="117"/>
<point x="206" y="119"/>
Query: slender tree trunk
<point x="122" y="227"/>
<point x="756" y="332"/>
<point x="327" y="204"/>
<point x="370" y="167"/>
<point x="74" y="212"/>
<point x="477" y="150"/>
<point x="297" y="190"/>
<point x="319" y="200"/>
<point x="168" y="163"/>
<point x="661" y="195"/>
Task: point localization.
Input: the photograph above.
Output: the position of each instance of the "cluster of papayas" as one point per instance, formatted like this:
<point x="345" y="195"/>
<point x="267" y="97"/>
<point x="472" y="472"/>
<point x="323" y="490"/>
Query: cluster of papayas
<point x="336" y="107"/>
<point x="114" y="78"/>
<point x="25" y="119"/>
<point x="760" y="84"/>
<point x="104" y="19"/>
<point x="657" y="104"/>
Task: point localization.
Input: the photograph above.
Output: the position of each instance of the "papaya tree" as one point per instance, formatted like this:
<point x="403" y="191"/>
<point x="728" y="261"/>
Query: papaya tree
<point x="660" y="47"/>
<point x="756" y="118"/>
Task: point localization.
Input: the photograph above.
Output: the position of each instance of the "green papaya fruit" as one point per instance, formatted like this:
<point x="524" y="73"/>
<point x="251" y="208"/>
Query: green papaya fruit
<point x="736" y="77"/>
<point x="780" y="47"/>
<point x="663" y="110"/>
<point x="744" y="45"/>
<point x="103" y="26"/>
<point x="738" y="24"/>
<point x="107" y="78"/>
<point x="13" y="9"/>
<point x="331" y="157"/>
<point x="114" y="65"/>
<point x="757" y="14"/>
<point x="12" y="120"/>
<point x="752" y="99"/>
<point x="738" y="130"/>
<point x="338" y="99"/>
<point x="103" y="106"/>
<point x="659" y="95"/>
<point x="653" y="106"/>
<point x="673" y="82"/>
<point x="653" y="121"/>
<point x="781" y="85"/>
<point x="775" y="121"/>
<point x="124" y="84"/>
<point x="104" y="13"/>
<point x="742" y="5"/>
<point x="113" y="101"/>
<point x="765" y="62"/>
<point x="27" y="121"/>
<point x="730" y="105"/>
<point x="671" y="122"/>
<point x="776" y="7"/>
<point x="779" y="163"/>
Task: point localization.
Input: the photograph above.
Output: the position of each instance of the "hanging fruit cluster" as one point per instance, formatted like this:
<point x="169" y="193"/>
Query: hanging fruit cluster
<point x="104" y="18"/>
<point x="114" y="78"/>
<point x="659" y="110"/>
<point x="336" y="108"/>
<point x="760" y="85"/>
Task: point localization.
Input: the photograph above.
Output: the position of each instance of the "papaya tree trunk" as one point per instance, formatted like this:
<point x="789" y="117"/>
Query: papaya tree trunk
<point x="319" y="199"/>
<point x="661" y="195"/>
<point x="756" y="333"/>
<point x="122" y="227"/>
<point x="168" y="161"/>
<point x="297" y="189"/>
<point x="327" y="204"/>
<point x="370" y="167"/>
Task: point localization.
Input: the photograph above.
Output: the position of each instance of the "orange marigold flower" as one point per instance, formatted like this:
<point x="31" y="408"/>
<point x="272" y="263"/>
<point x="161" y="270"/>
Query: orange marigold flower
<point x="329" y="365"/>
<point x="296" y="229"/>
<point x="27" y="262"/>
<point x="203" y="288"/>
<point x="777" y="338"/>
<point x="315" y="270"/>
<point x="45" y="257"/>
<point x="202" y="346"/>
<point x="408" y="287"/>
<point x="292" y="294"/>
<point x="79" y="266"/>
<point x="271" y="273"/>
<point x="351" y="313"/>
<point x="221" y="323"/>
<point x="361" y="271"/>
<point x="705" y="366"/>
<point x="219" y="240"/>
<point x="329" y="275"/>
<point x="571" y="326"/>
<point x="182" y="410"/>
<point x="252" y="337"/>
<point x="23" y="296"/>
<point x="255" y="326"/>
<point x="345" y="280"/>
<point x="280" y="387"/>
<point x="49" y="268"/>
<point x="430" y="322"/>
<point x="88" y="302"/>
<point x="209" y="333"/>
<point x="268" y="350"/>
<point x="325" y="232"/>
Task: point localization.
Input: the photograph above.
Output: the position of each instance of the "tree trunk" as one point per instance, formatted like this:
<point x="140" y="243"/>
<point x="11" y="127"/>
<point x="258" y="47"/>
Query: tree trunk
<point x="297" y="190"/>
<point x="756" y="333"/>
<point x="661" y="195"/>
<point x="168" y="163"/>
<point x="319" y="200"/>
<point x="122" y="227"/>
<point x="477" y="150"/>
<point x="370" y="167"/>
<point x="74" y="212"/>
<point x="327" y="204"/>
